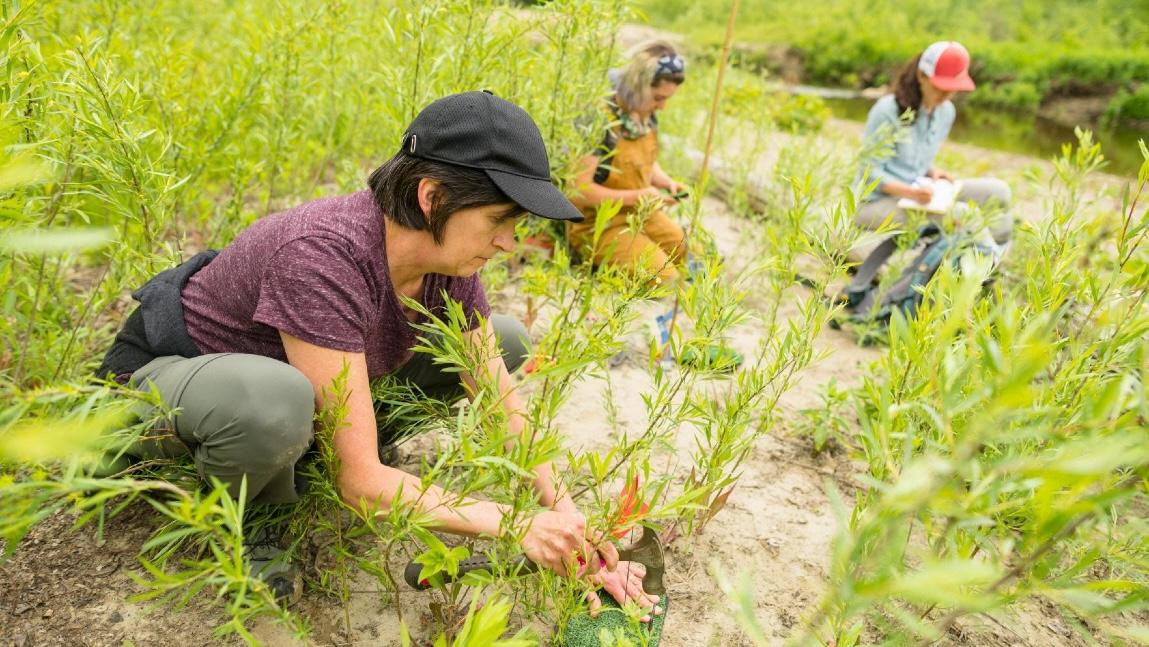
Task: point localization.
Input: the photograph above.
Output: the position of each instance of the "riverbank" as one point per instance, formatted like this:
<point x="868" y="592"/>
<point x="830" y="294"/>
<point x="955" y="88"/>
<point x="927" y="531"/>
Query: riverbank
<point x="1007" y="131"/>
<point x="1051" y="59"/>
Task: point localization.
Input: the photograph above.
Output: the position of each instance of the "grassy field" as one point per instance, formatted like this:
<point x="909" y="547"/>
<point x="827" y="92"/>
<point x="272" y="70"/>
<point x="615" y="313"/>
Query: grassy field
<point x="988" y="460"/>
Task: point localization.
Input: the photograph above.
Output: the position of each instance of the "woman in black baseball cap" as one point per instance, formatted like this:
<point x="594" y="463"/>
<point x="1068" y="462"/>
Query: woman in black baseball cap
<point x="247" y="342"/>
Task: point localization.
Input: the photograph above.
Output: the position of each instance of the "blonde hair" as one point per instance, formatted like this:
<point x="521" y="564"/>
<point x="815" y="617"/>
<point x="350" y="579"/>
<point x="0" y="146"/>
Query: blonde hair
<point x="638" y="78"/>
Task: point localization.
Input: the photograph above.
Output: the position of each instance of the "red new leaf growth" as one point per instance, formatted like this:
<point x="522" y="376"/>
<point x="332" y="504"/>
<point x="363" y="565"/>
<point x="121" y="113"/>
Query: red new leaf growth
<point x="631" y="509"/>
<point x="537" y="363"/>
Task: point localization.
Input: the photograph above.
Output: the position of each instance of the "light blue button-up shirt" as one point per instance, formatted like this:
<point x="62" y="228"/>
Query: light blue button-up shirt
<point x="899" y="151"/>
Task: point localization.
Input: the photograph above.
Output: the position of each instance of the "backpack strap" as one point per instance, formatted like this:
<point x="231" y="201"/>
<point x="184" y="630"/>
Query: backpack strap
<point x="860" y="285"/>
<point x="604" y="152"/>
<point x="906" y="293"/>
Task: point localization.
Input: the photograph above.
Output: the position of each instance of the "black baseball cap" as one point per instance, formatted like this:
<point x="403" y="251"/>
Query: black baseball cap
<point x="479" y="130"/>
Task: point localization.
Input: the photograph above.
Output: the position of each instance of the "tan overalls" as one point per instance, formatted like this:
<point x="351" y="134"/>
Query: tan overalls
<point x="654" y="249"/>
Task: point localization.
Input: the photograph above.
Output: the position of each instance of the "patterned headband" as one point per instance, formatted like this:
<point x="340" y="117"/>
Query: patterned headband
<point x="668" y="65"/>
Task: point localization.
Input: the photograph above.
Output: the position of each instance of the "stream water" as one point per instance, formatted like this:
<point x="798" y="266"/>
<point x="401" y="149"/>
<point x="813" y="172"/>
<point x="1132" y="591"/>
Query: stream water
<point x="1021" y="134"/>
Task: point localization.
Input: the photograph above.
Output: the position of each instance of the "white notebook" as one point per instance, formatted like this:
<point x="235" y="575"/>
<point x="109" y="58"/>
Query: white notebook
<point x="945" y="194"/>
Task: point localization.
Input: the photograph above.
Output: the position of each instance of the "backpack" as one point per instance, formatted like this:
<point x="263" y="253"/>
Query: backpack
<point x="866" y="303"/>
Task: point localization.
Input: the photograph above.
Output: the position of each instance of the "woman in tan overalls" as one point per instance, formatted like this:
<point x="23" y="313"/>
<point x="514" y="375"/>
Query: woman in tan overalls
<point x="625" y="169"/>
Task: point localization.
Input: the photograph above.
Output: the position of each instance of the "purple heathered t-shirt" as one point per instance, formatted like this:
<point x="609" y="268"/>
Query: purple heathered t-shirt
<point x="319" y="273"/>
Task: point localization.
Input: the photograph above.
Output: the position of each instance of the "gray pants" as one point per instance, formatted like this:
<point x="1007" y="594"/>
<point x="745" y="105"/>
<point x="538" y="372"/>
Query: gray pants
<point x="990" y="194"/>
<point x="251" y="416"/>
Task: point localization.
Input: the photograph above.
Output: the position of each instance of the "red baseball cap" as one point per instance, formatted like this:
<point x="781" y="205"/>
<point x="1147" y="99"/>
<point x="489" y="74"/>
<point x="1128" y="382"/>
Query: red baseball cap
<point x="946" y="63"/>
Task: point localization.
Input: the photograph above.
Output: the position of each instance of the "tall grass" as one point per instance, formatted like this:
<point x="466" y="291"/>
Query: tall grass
<point x="176" y="127"/>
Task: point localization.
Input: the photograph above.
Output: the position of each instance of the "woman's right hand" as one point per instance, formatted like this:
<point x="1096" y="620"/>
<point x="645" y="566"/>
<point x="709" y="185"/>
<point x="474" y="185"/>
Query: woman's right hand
<point x="922" y="194"/>
<point x="652" y="193"/>
<point x="557" y="540"/>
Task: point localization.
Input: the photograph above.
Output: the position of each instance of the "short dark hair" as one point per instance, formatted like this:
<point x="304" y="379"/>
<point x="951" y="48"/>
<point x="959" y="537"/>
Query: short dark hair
<point x="395" y="186"/>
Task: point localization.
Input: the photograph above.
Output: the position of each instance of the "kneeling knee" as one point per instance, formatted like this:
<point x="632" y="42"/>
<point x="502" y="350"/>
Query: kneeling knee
<point x="514" y="340"/>
<point x="1000" y="195"/>
<point x="276" y="423"/>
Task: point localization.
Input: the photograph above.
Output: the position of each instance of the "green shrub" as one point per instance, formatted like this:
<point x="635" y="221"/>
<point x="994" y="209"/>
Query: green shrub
<point x="1019" y="95"/>
<point x="1128" y="106"/>
<point x="745" y="94"/>
<point x="800" y="113"/>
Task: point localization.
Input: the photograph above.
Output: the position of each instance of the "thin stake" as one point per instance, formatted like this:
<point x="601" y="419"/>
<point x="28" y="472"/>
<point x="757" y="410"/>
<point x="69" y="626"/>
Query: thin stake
<point x="722" y="60"/>
<point x="713" y="121"/>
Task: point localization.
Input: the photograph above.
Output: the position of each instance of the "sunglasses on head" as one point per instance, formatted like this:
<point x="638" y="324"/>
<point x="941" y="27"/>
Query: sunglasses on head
<point x="668" y="65"/>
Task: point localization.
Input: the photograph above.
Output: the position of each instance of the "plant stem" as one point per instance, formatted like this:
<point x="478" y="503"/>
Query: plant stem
<point x="136" y="185"/>
<point x="77" y="325"/>
<point x="53" y="210"/>
<point x="944" y="624"/>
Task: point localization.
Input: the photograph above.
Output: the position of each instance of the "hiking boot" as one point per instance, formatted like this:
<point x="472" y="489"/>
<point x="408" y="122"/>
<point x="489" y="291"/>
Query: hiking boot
<point x="389" y="454"/>
<point x="618" y="359"/>
<point x="264" y="553"/>
<point x="712" y="357"/>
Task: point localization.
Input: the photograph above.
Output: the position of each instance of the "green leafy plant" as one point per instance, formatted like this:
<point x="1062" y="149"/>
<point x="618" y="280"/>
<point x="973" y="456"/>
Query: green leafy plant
<point x="1005" y="439"/>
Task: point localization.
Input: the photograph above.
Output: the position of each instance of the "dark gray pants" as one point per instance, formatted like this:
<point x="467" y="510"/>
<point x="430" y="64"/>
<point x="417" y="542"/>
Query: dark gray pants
<point x="990" y="194"/>
<point x="251" y="416"/>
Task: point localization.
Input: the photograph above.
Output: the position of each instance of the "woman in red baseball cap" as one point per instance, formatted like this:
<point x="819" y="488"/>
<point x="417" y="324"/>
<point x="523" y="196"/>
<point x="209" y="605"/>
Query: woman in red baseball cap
<point x="903" y="133"/>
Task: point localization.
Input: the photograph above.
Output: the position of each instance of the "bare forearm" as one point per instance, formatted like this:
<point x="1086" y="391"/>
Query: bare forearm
<point x="593" y="194"/>
<point x="517" y="423"/>
<point x="898" y="189"/>
<point x="590" y="194"/>
<point x="544" y="483"/>
<point x="387" y="487"/>
<point x="550" y="493"/>
<point x="660" y="179"/>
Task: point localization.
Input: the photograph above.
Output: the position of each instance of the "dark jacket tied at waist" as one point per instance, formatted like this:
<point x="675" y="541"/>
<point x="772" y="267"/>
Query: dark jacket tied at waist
<point x="156" y="328"/>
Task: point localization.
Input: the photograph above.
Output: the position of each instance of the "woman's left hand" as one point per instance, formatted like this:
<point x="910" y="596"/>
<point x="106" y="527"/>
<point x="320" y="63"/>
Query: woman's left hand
<point x="624" y="584"/>
<point x="939" y="174"/>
